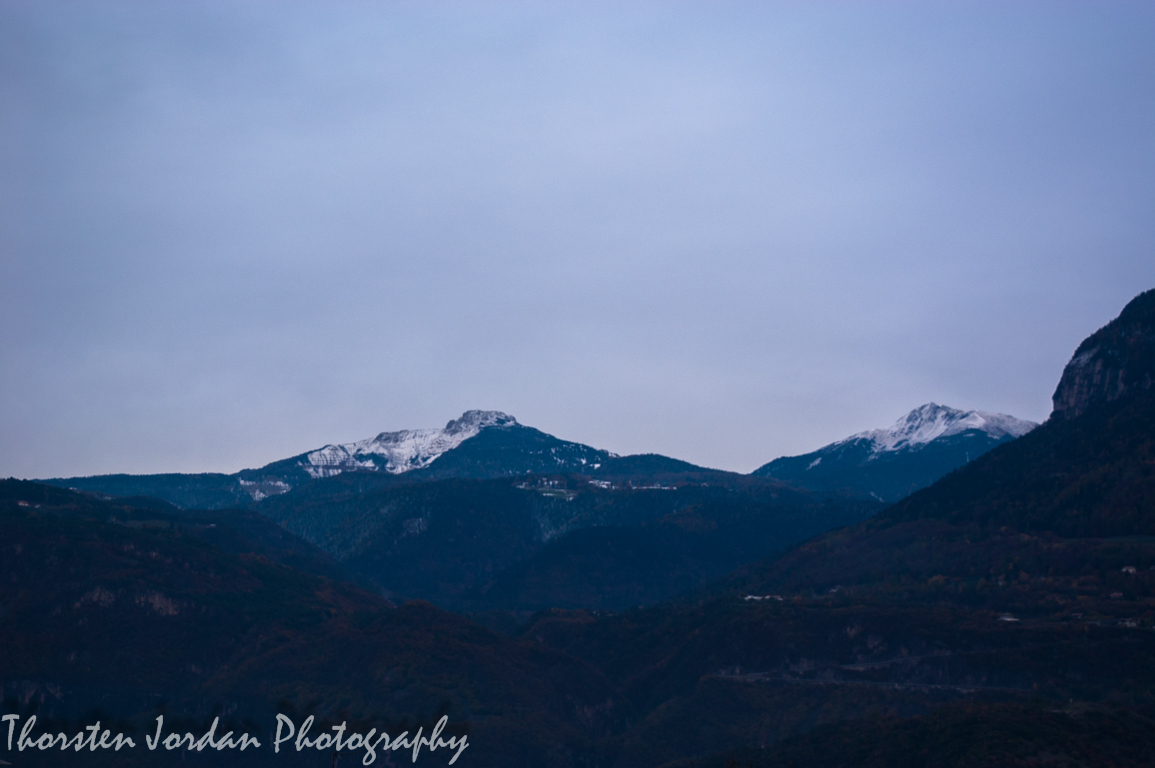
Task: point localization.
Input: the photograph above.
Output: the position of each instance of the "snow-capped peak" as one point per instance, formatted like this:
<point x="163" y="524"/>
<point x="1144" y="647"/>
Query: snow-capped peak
<point x="402" y="451"/>
<point x="475" y="421"/>
<point x="931" y="421"/>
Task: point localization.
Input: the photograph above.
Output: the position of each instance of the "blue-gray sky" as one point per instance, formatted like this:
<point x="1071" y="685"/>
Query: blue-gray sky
<point x="231" y="232"/>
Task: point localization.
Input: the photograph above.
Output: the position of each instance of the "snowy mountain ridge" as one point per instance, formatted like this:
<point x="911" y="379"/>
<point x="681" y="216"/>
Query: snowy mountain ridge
<point x="932" y="421"/>
<point x="890" y="463"/>
<point x="403" y="451"/>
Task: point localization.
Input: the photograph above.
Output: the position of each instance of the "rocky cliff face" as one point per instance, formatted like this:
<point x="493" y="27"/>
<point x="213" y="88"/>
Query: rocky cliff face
<point x="1114" y="361"/>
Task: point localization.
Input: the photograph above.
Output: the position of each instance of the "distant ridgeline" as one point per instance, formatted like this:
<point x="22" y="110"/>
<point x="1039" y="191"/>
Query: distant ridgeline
<point x="480" y="444"/>
<point x="882" y="464"/>
<point x="488" y="514"/>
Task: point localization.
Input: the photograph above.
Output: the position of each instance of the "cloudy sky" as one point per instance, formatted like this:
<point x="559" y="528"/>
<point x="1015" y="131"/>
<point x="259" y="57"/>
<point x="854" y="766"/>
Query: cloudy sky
<point x="231" y="232"/>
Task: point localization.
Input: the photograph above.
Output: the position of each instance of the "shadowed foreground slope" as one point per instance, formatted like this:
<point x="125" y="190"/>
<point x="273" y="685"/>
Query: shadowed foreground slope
<point x="115" y="613"/>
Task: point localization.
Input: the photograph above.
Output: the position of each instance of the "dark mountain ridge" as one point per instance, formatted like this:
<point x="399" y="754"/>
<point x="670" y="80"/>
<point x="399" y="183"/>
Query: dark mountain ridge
<point x="115" y="613"/>
<point x="556" y="540"/>
<point x="1116" y="360"/>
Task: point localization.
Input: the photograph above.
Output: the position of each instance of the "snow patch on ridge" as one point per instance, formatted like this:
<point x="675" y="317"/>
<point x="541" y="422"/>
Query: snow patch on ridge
<point x="402" y="451"/>
<point x="932" y="421"/>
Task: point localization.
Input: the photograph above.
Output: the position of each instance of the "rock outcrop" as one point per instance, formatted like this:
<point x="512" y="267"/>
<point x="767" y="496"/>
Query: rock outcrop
<point x="1116" y="360"/>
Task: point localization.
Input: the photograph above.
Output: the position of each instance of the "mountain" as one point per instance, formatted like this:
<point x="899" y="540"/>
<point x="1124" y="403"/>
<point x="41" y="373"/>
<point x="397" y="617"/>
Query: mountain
<point x="1014" y="598"/>
<point x="1002" y="616"/>
<point x="888" y="464"/>
<point x="1116" y="360"/>
<point x="487" y="514"/>
<point x="116" y="613"/>
<point x="404" y="451"/>
<point x="480" y="444"/>
<point x="598" y="541"/>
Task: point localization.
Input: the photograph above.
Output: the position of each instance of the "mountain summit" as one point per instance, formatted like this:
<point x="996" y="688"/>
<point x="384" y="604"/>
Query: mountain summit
<point x="933" y="421"/>
<point x="890" y="463"/>
<point x="1114" y="360"/>
<point x="397" y="452"/>
<point x="478" y="445"/>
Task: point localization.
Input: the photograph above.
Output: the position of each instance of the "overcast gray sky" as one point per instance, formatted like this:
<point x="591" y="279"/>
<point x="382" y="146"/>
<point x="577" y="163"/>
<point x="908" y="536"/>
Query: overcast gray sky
<point x="231" y="232"/>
